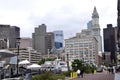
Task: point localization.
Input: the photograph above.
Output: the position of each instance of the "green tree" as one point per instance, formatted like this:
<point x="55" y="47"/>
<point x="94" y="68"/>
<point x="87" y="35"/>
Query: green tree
<point x="77" y="64"/>
<point x="42" y="61"/>
<point x="88" y="68"/>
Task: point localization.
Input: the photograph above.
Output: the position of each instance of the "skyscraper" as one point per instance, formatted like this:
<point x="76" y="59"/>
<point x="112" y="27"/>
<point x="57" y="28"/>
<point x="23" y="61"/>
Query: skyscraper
<point x="50" y="41"/>
<point x="58" y="38"/>
<point x="110" y="41"/>
<point x="39" y="39"/>
<point x="9" y="34"/>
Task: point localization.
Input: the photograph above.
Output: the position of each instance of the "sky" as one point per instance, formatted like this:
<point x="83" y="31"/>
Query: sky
<point x="71" y="16"/>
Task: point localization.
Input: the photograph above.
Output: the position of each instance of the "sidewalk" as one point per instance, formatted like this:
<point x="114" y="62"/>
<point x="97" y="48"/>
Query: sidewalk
<point x="117" y="76"/>
<point x="97" y="76"/>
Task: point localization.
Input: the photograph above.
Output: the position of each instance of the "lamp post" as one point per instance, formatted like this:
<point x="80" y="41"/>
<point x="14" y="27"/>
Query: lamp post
<point x="68" y="62"/>
<point x="18" y="46"/>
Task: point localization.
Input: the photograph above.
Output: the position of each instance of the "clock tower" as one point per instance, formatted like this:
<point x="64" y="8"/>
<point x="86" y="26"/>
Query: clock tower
<point x="96" y="28"/>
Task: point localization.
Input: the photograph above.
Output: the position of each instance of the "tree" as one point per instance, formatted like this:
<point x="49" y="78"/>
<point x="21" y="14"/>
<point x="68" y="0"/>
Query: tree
<point x="77" y="64"/>
<point x="42" y="61"/>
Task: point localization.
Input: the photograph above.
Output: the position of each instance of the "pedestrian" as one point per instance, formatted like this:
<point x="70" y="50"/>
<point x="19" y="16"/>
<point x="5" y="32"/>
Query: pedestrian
<point x="112" y="70"/>
<point x="81" y="73"/>
<point x="92" y="71"/>
<point x="78" y="72"/>
<point x="108" y="69"/>
<point x="11" y="72"/>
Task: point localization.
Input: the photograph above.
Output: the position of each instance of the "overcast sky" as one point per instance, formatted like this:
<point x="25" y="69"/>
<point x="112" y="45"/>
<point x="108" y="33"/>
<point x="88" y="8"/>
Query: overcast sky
<point x="68" y="15"/>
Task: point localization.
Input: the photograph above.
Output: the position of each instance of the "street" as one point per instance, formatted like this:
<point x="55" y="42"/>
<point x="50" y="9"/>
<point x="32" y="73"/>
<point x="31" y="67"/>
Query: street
<point x="97" y="76"/>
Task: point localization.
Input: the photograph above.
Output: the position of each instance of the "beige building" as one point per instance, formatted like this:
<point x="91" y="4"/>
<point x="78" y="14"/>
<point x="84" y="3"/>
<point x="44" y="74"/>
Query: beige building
<point x="83" y="47"/>
<point x="28" y="54"/>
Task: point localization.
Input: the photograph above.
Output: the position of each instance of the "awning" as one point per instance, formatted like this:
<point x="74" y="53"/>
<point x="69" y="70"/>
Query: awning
<point x="34" y="66"/>
<point x="24" y="62"/>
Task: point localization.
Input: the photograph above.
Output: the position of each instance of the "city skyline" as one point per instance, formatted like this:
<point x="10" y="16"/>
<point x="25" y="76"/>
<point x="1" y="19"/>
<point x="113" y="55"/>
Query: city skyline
<point x="67" y="15"/>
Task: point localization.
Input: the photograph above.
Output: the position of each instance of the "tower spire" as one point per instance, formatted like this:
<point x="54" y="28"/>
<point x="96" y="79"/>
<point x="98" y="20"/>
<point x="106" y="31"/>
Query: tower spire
<point x="95" y="13"/>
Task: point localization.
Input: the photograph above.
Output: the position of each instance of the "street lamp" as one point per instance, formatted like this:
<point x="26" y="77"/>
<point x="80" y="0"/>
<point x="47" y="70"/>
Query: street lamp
<point x="18" y="46"/>
<point x="68" y="62"/>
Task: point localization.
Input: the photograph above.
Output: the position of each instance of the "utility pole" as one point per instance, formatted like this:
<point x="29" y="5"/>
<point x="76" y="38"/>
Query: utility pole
<point x="18" y="47"/>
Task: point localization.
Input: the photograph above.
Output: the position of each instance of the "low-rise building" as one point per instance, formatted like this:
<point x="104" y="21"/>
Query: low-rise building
<point x="28" y="54"/>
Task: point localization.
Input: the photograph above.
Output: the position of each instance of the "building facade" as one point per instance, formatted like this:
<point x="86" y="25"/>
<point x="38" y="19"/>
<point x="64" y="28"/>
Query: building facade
<point x="47" y="42"/>
<point x="9" y="34"/>
<point x="50" y="41"/>
<point x="59" y="39"/>
<point x="27" y="54"/>
<point x="82" y="47"/>
<point x="110" y="41"/>
<point x="39" y="39"/>
<point x="106" y="58"/>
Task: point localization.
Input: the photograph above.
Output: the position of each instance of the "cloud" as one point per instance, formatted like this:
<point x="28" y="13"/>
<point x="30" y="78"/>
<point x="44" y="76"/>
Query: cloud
<point x="68" y="15"/>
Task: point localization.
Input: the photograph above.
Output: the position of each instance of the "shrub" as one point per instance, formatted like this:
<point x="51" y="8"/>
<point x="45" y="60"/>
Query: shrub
<point x="48" y="76"/>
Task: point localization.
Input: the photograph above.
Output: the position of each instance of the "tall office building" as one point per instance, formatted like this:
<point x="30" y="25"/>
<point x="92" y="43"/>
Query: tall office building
<point x="59" y="39"/>
<point x="110" y="41"/>
<point x="49" y="41"/>
<point x="9" y="34"/>
<point x="39" y="39"/>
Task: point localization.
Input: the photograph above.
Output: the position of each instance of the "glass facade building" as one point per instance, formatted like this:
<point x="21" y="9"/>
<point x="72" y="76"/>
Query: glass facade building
<point x="59" y="39"/>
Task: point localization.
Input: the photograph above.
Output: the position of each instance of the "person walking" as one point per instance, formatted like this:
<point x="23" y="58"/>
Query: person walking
<point x="78" y="72"/>
<point x="81" y="73"/>
<point x="92" y="71"/>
